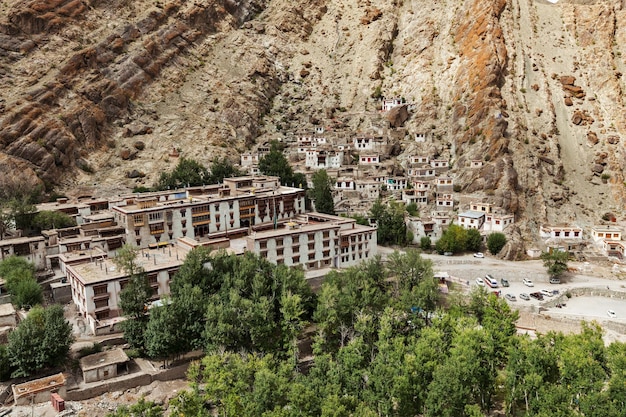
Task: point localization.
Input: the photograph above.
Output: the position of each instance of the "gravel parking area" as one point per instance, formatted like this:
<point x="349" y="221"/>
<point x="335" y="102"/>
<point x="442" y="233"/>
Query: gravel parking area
<point x="536" y="314"/>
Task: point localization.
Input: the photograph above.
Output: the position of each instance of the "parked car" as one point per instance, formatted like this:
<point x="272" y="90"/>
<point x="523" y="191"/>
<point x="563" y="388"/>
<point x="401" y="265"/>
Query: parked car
<point x="546" y="293"/>
<point x="479" y="255"/>
<point x="555" y="280"/>
<point x="611" y="314"/>
<point x="510" y="297"/>
<point x="480" y="282"/>
<point x="524" y="296"/>
<point x="528" y="282"/>
<point x="504" y="282"/>
<point x="537" y="296"/>
<point x="448" y="254"/>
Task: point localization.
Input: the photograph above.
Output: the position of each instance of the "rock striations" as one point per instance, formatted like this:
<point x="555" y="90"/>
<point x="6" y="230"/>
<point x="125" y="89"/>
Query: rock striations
<point x="94" y="90"/>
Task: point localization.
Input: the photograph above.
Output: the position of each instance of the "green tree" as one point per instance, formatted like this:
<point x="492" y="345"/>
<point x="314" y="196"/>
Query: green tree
<point x="555" y="262"/>
<point x="412" y="209"/>
<point x="142" y="408"/>
<point x="42" y="339"/>
<point x="453" y="239"/>
<point x="245" y="313"/>
<point x="134" y="297"/>
<point x="425" y="243"/>
<point x="20" y="280"/>
<point x="321" y="193"/>
<point x="275" y="163"/>
<point x="5" y="363"/>
<point x="45" y="220"/>
<point x="220" y="169"/>
<point x="414" y="280"/>
<point x="495" y="242"/>
<point x="391" y="228"/>
<point x="474" y="240"/>
<point x="163" y="336"/>
<point x="187" y="172"/>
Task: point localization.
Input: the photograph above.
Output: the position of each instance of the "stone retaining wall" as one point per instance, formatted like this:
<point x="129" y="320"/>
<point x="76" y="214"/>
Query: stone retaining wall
<point x="126" y="382"/>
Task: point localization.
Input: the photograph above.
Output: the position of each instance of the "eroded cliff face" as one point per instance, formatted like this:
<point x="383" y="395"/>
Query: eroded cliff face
<point x="94" y="91"/>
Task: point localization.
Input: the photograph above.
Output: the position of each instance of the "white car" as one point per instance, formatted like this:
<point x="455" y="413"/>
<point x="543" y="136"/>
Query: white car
<point x="479" y="255"/>
<point x="480" y="282"/>
<point x="546" y="293"/>
<point x="611" y="314"/>
<point x="528" y="282"/>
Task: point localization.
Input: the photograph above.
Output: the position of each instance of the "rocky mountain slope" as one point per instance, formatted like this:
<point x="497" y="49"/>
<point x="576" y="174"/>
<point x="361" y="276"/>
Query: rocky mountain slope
<point x="95" y="92"/>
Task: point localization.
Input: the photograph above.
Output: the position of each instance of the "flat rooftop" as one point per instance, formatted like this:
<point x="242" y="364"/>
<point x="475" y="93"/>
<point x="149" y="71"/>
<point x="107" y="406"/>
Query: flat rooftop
<point x="98" y="360"/>
<point x="44" y="384"/>
<point x="102" y="270"/>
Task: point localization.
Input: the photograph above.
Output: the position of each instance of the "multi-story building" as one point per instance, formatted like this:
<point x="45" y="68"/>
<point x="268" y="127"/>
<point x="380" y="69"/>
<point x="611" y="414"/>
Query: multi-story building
<point x="419" y="197"/>
<point x="211" y="211"/>
<point x="315" y="241"/>
<point x="96" y="281"/>
<point x="498" y="222"/>
<point x="323" y="158"/>
<point x="472" y="219"/>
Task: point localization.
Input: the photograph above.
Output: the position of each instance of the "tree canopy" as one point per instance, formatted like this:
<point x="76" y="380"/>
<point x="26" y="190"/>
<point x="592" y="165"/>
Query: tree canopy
<point x="134" y="297"/>
<point x="20" y="281"/>
<point x="495" y="242"/>
<point x="41" y="340"/>
<point x="275" y="163"/>
<point x="389" y="218"/>
<point x="383" y="347"/>
<point x="321" y="193"/>
<point x="46" y="219"/>
<point x="555" y="262"/>
<point x="187" y="172"/>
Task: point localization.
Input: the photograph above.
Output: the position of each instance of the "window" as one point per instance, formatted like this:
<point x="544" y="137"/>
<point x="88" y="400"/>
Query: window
<point x="311" y="246"/>
<point x="295" y="260"/>
<point x="137" y="232"/>
<point x="155" y="216"/>
<point x="263" y="244"/>
<point x="123" y="283"/>
<point x="557" y="234"/>
<point x="100" y="290"/>
<point x="280" y="252"/>
<point x="101" y="315"/>
<point x="279" y="242"/>
<point x="102" y="303"/>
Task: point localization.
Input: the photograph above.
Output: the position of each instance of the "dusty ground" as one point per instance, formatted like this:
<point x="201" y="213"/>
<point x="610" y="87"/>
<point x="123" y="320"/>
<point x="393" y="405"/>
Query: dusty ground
<point x="544" y="319"/>
<point x="159" y="392"/>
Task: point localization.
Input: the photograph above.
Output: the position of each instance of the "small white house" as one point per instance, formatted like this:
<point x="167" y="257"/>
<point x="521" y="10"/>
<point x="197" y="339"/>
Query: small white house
<point x="419" y="197"/>
<point x="420" y="137"/>
<point x="498" y="222"/>
<point x="248" y="159"/>
<point x="344" y="184"/>
<point x="439" y="163"/>
<point x="419" y="159"/>
<point x="476" y="163"/>
<point x="368" y="189"/>
<point x="471" y="219"/>
<point x="444" y="184"/>
<point x="422" y="173"/>
<point x="396" y="183"/>
<point x="482" y="207"/>
<point x="599" y="233"/>
<point x="323" y="159"/>
<point x="369" y="159"/>
<point x="444" y="201"/>
<point x="561" y="232"/>
<point x="390" y="103"/>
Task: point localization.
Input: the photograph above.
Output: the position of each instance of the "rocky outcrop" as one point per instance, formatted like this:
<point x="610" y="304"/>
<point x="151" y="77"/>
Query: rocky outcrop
<point x="53" y="121"/>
